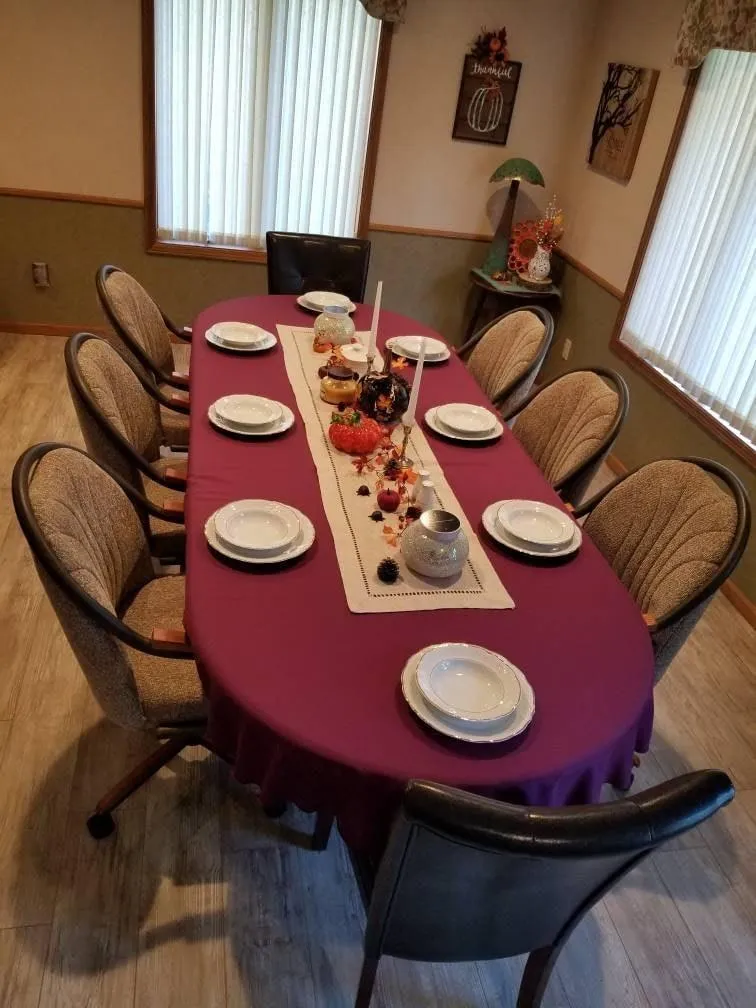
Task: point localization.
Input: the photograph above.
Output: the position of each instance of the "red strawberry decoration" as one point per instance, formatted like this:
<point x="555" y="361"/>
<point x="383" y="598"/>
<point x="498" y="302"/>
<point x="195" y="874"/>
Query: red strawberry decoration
<point x="388" y="500"/>
<point x="353" y="432"/>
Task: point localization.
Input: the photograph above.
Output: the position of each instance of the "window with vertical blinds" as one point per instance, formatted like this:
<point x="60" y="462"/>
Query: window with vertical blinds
<point x="262" y="110"/>
<point x="692" y="314"/>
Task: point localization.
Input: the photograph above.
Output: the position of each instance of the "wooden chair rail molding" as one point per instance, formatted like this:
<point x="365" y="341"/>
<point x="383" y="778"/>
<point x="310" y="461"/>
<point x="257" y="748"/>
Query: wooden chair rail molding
<point x="73" y="197"/>
<point x="730" y="590"/>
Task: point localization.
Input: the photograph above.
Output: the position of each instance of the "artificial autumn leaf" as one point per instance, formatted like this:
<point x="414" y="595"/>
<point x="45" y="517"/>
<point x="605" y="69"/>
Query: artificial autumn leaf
<point x="399" y="363"/>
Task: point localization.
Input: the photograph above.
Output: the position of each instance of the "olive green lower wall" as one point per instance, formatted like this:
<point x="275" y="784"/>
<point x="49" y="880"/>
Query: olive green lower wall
<point x="655" y="426"/>
<point x="424" y="277"/>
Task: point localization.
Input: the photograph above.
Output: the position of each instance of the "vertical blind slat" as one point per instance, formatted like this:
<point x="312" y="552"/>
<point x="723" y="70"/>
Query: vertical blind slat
<point x="262" y="110"/>
<point x="693" y="312"/>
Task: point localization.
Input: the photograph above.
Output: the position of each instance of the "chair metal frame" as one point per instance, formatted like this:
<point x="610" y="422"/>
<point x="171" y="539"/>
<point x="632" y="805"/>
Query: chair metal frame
<point x="571" y="486"/>
<point x="134" y="347"/>
<point x="541" y="313"/>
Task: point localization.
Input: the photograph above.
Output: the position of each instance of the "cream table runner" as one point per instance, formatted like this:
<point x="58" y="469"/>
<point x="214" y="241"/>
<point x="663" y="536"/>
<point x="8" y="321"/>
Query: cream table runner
<point x="360" y="544"/>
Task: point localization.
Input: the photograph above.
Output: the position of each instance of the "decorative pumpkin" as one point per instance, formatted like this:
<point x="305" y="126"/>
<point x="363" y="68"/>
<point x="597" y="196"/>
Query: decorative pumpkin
<point x="354" y="433"/>
<point x="383" y="396"/>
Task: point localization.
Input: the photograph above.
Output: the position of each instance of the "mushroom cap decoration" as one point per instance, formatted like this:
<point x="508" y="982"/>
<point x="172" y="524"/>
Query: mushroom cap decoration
<point x="520" y="169"/>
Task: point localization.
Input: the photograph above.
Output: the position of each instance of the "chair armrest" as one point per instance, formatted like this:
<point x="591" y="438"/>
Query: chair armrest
<point x="174" y="506"/>
<point x="168" y="635"/>
<point x="650" y="621"/>
<point x="177" y="380"/>
<point x="175" y="476"/>
<point x="179" y="401"/>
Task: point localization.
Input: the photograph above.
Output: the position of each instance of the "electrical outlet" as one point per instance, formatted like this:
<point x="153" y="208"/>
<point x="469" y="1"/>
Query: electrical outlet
<point x="566" y="349"/>
<point x="40" y="274"/>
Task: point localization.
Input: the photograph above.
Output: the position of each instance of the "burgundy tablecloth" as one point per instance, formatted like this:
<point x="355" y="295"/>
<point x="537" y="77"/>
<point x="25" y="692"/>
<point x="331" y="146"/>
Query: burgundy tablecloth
<point x="304" y="695"/>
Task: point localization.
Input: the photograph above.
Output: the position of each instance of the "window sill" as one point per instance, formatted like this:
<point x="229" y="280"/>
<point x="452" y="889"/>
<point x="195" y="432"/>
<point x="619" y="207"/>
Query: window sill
<point x="702" y="416"/>
<point x="198" y="251"/>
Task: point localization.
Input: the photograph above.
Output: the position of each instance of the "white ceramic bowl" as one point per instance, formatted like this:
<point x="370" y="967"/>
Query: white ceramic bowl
<point x="257" y="526"/>
<point x="468" y="682"/>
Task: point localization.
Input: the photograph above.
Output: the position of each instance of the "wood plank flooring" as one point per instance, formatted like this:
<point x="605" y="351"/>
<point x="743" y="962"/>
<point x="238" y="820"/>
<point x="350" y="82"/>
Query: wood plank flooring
<point x="198" y="901"/>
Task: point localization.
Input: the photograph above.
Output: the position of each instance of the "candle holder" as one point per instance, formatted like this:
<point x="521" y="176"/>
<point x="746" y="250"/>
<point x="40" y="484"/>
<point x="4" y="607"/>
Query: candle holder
<point x="404" y="460"/>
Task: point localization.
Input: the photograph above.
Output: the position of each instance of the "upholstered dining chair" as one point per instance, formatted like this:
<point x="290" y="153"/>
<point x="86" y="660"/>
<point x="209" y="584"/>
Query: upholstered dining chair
<point x="673" y="531"/>
<point x="569" y="425"/>
<point x="298" y="263"/>
<point x="87" y="531"/>
<point x="143" y="330"/>
<point x="125" y="420"/>
<point x="466" y="878"/>
<point x="506" y="355"/>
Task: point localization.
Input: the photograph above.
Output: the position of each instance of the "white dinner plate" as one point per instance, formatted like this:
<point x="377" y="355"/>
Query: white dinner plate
<point x="277" y="427"/>
<point x="247" y="411"/>
<point x="535" y="525"/>
<point x="409" y="347"/>
<point x="440" y="428"/>
<point x="465" y="418"/>
<point x="256" y="526"/>
<point x="318" y="301"/>
<point x="468" y="682"/>
<point x="300" y="545"/>
<point x="265" y="344"/>
<point x="239" y="334"/>
<point x="497" y="532"/>
<point x="500" y="731"/>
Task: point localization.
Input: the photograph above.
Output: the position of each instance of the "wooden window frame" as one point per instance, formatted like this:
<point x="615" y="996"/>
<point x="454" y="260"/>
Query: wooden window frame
<point x="720" y="431"/>
<point x="200" y="250"/>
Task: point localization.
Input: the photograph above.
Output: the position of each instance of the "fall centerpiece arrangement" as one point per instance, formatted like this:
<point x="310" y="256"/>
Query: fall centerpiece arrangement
<point x="549" y="231"/>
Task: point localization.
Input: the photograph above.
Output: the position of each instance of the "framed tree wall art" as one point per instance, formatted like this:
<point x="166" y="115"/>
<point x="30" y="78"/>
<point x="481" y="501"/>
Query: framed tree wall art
<point x="620" y="119"/>
<point x="487" y="90"/>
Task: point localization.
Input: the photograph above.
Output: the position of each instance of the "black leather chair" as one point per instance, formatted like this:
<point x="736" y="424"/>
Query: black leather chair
<point x="467" y="878"/>
<point x="298" y="263"/>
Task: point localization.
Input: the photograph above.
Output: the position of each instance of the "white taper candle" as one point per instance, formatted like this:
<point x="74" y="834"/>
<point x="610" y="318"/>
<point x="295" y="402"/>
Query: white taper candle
<point x="409" y="416"/>
<point x="374" y="323"/>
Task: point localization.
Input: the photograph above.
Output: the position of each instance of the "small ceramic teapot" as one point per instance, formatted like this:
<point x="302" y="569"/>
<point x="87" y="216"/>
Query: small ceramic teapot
<point x="435" y="545"/>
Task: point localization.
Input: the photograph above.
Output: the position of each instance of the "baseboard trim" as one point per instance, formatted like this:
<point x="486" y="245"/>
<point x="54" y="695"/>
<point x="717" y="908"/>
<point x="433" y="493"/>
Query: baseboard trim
<point x="49" y="329"/>
<point x="730" y="590"/>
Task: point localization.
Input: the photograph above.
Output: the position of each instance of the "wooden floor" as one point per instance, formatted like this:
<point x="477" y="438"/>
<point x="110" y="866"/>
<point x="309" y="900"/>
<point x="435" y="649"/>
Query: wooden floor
<point x="198" y="901"/>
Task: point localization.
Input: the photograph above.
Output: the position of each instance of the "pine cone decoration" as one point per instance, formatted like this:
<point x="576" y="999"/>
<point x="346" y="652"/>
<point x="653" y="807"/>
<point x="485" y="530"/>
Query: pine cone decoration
<point x="388" y="570"/>
<point x="364" y="490"/>
<point x="377" y="516"/>
<point x="413" y="512"/>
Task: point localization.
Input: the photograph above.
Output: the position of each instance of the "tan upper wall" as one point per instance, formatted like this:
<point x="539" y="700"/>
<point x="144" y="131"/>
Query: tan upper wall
<point x="70" y="107"/>
<point x="427" y="180"/>
<point x="70" y="97"/>
<point x="605" y="218"/>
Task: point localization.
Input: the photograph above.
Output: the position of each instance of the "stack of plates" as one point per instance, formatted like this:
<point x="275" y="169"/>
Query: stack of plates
<point x="240" y="336"/>
<point x="251" y="415"/>
<point x="468" y="692"/>
<point x="464" y="422"/>
<point x="318" y="301"/>
<point x="532" y="528"/>
<point x="409" y="347"/>
<point x="259" y="531"/>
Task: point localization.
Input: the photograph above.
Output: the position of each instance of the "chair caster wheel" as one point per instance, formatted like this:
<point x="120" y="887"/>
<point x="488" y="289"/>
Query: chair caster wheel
<point x="101" y="825"/>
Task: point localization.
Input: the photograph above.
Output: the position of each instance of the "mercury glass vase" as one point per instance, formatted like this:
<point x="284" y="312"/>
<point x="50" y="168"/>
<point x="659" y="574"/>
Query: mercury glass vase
<point x="435" y="545"/>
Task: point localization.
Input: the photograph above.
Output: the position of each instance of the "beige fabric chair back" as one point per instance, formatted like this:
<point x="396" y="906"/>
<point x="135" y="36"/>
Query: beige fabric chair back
<point x="122" y="402"/>
<point x="139" y="317"/>
<point x="91" y="527"/>
<point x="665" y="530"/>
<point x="566" y="422"/>
<point x="504" y="353"/>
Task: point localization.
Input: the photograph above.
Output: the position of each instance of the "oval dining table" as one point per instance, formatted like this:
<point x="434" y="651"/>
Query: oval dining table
<point x="304" y="695"/>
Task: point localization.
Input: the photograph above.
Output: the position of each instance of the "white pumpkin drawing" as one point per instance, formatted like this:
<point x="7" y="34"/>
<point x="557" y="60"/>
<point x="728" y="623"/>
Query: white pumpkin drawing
<point x="486" y="108"/>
